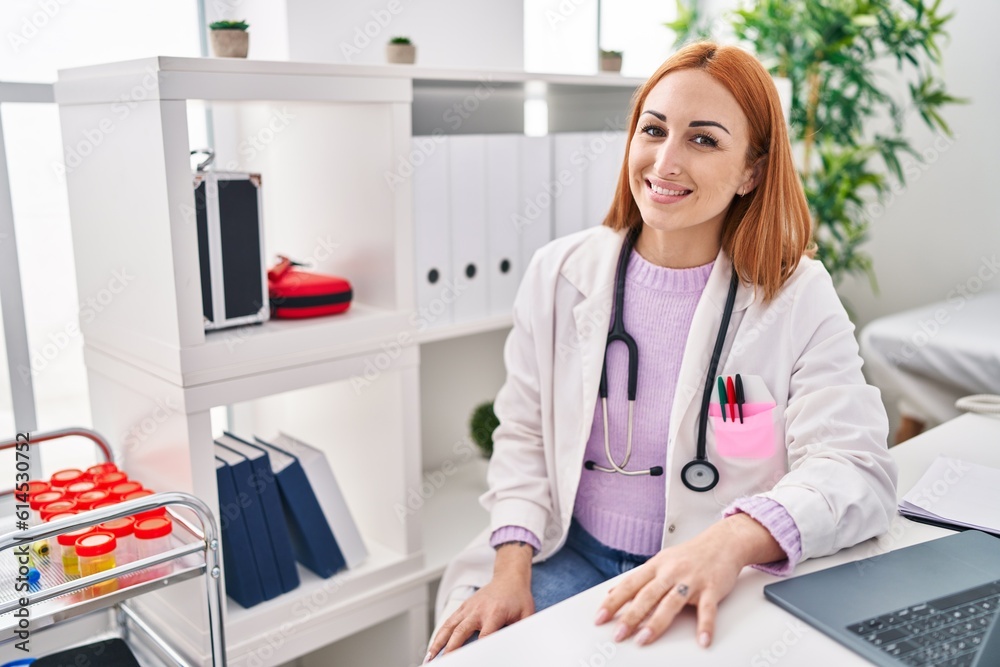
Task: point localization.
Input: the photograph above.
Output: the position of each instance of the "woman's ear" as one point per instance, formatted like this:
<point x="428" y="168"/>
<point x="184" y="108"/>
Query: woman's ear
<point x="754" y="175"/>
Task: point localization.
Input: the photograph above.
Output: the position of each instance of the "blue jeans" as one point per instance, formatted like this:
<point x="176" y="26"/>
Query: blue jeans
<point x="581" y="563"/>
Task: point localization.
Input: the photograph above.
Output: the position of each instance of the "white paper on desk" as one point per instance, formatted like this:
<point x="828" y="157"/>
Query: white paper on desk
<point x="958" y="492"/>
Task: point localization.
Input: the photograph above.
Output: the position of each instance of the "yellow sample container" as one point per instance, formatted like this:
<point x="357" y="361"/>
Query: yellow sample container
<point x="96" y="553"/>
<point x="67" y="549"/>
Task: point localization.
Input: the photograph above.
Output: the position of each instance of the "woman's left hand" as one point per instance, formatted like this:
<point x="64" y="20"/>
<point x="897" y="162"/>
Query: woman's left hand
<point x="700" y="573"/>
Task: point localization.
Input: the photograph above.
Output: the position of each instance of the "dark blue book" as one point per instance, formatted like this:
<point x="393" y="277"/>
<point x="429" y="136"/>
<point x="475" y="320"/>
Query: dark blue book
<point x="266" y="485"/>
<point x="253" y="516"/>
<point x="242" y="580"/>
<point x="312" y="538"/>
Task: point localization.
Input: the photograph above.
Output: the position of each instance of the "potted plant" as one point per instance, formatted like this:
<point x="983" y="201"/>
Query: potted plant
<point x="840" y="100"/>
<point x="481" y="426"/>
<point x="230" y="39"/>
<point x="611" y="61"/>
<point x="401" y="50"/>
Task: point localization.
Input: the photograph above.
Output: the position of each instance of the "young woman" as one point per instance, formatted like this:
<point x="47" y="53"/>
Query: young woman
<point x="723" y="422"/>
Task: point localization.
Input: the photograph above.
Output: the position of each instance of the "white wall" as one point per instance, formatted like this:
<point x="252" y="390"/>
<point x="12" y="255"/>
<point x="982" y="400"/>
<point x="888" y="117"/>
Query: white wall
<point x="936" y="230"/>
<point x="466" y="34"/>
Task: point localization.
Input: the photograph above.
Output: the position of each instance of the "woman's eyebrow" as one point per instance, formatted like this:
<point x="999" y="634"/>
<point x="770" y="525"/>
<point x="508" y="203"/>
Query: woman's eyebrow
<point x="694" y="123"/>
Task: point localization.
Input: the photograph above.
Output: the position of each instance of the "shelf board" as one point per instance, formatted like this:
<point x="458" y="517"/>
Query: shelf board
<point x="275" y="344"/>
<point x="26" y="93"/>
<point x="253" y="350"/>
<point x="180" y="65"/>
<point x="448" y="331"/>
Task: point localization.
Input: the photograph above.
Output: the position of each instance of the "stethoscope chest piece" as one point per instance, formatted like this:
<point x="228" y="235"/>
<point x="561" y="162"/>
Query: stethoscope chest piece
<point x="700" y="475"/>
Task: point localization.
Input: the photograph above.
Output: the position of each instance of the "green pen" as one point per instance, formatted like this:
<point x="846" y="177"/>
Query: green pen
<point x="722" y="397"/>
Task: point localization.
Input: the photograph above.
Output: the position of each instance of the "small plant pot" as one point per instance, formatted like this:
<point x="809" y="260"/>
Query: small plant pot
<point x="611" y="63"/>
<point x="401" y="54"/>
<point x="230" y="43"/>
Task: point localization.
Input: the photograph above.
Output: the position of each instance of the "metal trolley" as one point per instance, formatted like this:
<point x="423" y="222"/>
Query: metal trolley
<point x="194" y="552"/>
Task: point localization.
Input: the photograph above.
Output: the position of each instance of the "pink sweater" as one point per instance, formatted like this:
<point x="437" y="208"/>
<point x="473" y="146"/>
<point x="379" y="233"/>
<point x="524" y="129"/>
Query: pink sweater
<point x="626" y="512"/>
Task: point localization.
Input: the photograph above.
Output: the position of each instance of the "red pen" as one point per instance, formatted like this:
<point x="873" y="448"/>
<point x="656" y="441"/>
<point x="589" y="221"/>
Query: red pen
<point x="731" y="397"/>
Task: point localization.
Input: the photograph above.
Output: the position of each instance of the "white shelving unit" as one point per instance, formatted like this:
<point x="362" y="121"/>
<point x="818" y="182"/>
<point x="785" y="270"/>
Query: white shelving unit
<point x="324" y="137"/>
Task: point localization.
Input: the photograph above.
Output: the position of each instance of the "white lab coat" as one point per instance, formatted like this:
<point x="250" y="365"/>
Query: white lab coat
<point x="834" y="475"/>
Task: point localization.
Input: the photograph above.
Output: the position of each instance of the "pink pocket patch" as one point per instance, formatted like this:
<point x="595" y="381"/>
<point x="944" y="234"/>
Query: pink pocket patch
<point x="751" y="439"/>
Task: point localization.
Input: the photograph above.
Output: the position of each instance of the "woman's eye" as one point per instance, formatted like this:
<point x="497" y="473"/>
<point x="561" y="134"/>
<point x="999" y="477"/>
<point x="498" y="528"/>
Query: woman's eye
<point x="708" y="140"/>
<point x="653" y="131"/>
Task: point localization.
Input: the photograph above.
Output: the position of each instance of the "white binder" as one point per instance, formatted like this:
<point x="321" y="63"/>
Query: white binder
<point x="569" y="167"/>
<point x="502" y="204"/>
<point x="432" y="239"/>
<point x="534" y="215"/>
<point x="608" y="149"/>
<point x="467" y="194"/>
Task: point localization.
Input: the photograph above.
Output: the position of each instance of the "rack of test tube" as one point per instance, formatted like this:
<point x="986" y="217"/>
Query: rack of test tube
<point x="81" y="556"/>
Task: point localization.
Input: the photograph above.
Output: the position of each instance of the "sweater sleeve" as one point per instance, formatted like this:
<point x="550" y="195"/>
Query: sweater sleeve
<point x="773" y="516"/>
<point x="506" y="534"/>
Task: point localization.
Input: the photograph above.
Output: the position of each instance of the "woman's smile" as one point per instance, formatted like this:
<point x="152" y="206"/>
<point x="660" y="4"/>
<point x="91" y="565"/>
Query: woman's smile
<point x="663" y="192"/>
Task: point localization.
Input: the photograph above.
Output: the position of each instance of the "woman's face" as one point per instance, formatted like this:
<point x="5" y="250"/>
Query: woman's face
<point x="687" y="156"/>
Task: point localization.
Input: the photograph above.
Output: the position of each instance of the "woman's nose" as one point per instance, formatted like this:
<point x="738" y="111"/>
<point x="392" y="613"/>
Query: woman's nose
<point x="669" y="156"/>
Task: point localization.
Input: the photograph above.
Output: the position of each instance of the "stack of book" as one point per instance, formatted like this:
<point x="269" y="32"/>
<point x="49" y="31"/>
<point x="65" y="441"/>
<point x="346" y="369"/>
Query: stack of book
<point x="279" y="503"/>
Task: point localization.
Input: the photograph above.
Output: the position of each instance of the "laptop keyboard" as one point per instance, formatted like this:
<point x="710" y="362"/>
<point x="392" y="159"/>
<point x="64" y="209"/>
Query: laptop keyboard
<point x="946" y="631"/>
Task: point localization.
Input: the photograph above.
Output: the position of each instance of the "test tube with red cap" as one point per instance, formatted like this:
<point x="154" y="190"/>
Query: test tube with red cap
<point x="57" y="507"/>
<point x="67" y="545"/>
<point x="152" y="536"/>
<point x="90" y="499"/>
<point x="64" y="478"/>
<point x="55" y="551"/>
<point x="95" y="552"/>
<point x="156" y="511"/>
<point x="39" y="500"/>
<point x="76" y="488"/>
<point x="109" y="479"/>
<point x="119" y="491"/>
<point x="101" y="469"/>
<point x="123" y="529"/>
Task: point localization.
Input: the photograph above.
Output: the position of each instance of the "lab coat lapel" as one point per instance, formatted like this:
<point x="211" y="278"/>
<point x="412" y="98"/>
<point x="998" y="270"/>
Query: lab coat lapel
<point x="698" y="355"/>
<point x="591" y="269"/>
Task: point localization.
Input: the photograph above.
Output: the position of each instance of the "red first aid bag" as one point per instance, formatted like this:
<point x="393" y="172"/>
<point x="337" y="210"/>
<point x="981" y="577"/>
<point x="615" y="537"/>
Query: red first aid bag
<point x="295" y="293"/>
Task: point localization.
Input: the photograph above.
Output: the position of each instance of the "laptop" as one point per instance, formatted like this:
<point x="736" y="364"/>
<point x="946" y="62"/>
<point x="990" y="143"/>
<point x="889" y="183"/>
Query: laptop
<point x="929" y="604"/>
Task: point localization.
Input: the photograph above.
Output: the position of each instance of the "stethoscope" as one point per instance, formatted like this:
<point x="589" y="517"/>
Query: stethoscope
<point x="698" y="474"/>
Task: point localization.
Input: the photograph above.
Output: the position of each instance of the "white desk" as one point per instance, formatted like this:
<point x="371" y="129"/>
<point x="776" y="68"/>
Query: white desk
<point x="749" y="630"/>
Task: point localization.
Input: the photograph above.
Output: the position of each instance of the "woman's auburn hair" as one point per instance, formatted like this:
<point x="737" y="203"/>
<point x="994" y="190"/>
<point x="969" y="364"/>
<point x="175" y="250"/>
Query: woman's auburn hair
<point x="767" y="231"/>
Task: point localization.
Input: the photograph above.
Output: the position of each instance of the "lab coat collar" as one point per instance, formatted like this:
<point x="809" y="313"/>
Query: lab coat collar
<point x="591" y="269"/>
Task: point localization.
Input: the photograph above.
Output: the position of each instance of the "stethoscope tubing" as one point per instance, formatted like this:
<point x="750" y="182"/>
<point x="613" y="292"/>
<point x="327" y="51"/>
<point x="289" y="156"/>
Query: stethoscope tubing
<point x="700" y="464"/>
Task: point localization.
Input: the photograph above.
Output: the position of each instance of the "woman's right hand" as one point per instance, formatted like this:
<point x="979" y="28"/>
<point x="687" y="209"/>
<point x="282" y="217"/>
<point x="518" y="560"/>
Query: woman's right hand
<point x="505" y="600"/>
